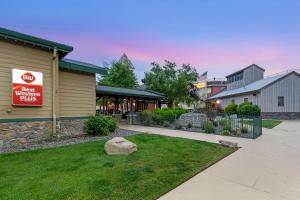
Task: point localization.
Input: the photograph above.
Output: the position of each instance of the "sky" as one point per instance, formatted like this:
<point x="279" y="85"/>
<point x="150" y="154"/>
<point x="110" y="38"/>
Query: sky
<point x="218" y="36"/>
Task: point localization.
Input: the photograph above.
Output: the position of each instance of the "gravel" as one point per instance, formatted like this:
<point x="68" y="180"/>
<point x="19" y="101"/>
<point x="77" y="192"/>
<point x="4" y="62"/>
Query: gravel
<point x="57" y="142"/>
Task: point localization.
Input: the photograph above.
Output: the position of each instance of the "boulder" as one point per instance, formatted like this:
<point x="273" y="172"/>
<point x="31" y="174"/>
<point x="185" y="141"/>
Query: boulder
<point x="119" y="146"/>
<point x="228" y="143"/>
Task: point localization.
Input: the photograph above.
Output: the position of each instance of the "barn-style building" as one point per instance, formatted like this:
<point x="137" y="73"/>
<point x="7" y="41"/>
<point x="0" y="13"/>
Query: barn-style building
<point x="278" y="96"/>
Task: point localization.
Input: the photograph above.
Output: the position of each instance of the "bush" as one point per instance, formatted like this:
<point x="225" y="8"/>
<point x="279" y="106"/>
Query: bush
<point x="225" y="123"/>
<point x="208" y="127"/>
<point x="166" y="124"/>
<point x="99" y="125"/>
<point x="248" y="109"/>
<point x="160" y="116"/>
<point x="178" y="126"/>
<point x="226" y="132"/>
<point x="167" y="114"/>
<point x="231" y="109"/>
<point x="146" y="117"/>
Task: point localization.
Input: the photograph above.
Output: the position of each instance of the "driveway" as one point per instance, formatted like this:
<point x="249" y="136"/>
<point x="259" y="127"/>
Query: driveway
<point x="267" y="168"/>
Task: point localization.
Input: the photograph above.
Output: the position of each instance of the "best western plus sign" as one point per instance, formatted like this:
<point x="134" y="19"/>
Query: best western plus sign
<point x="27" y="88"/>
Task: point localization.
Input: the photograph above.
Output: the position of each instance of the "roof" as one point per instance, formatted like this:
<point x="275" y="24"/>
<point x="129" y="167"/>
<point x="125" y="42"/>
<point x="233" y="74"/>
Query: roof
<point x="127" y="92"/>
<point x="81" y="66"/>
<point x="35" y="41"/>
<point x="252" y="87"/>
<point x="253" y="65"/>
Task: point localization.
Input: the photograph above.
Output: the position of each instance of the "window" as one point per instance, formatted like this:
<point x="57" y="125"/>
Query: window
<point x="237" y="77"/>
<point x="245" y="100"/>
<point x="232" y="101"/>
<point x="280" y="101"/>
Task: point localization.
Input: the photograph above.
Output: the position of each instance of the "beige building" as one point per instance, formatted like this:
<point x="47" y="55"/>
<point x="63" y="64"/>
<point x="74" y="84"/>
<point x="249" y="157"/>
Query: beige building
<point x="68" y="89"/>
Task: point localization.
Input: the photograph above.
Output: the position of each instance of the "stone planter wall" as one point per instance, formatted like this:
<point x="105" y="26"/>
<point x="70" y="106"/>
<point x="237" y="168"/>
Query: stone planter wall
<point x="21" y="133"/>
<point x="71" y="127"/>
<point x="17" y="133"/>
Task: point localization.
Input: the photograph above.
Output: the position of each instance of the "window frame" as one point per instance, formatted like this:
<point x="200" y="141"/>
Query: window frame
<point x="280" y="101"/>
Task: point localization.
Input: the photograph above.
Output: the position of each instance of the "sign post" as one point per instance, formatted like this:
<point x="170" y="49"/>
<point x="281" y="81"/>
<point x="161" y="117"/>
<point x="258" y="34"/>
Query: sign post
<point x="27" y="88"/>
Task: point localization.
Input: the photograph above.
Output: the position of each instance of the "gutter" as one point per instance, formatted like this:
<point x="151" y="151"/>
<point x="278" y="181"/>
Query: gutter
<point x="54" y="66"/>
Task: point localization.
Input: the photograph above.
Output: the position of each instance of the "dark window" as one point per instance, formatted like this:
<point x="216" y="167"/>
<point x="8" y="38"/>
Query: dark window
<point x="232" y="101"/>
<point x="245" y="100"/>
<point x="280" y="100"/>
<point x="236" y="77"/>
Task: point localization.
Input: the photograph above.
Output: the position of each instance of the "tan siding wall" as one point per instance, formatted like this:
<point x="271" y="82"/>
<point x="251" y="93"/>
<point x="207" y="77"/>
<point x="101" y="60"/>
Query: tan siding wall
<point x="77" y="94"/>
<point x="26" y="58"/>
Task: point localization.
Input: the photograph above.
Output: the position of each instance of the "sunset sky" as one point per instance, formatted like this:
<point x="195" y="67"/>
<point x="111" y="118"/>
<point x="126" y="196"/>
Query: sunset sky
<point x="218" y="36"/>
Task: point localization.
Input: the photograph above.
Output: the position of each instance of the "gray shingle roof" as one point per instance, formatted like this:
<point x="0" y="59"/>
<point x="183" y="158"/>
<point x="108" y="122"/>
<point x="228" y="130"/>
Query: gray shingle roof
<point x="127" y="92"/>
<point x="252" y="87"/>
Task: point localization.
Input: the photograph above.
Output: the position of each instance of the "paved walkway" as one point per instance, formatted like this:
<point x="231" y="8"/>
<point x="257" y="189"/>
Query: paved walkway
<point x="267" y="168"/>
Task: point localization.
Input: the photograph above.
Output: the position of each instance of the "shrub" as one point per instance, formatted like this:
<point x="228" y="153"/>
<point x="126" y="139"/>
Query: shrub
<point x="208" y="127"/>
<point x="166" y="124"/>
<point x="146" y="117"/>
<point x="99" y="125"/>
<point x="159" y="116"/>
<point x="248" y="109"/>
<point x="178" y="126"/>
<point x="231" y="109"/>
<point x="225" y="123"/>
<point x="226" y="132"/>
<point x="167" y="114"/>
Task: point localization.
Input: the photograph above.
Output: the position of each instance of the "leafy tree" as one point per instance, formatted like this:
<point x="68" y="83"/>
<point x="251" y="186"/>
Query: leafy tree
<point x="171" y="81"/>
<point x="121" y="74"/>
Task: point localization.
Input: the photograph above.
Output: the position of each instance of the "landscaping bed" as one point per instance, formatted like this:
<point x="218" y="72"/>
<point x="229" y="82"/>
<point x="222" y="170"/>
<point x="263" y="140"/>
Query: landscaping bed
<point x="84" y="171"/>
<point x="62" y="141"/>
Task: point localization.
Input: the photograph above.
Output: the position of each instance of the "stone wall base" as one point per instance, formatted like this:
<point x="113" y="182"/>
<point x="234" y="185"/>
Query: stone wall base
<point x="281" y="115"/>
<point x="21" y="133"/>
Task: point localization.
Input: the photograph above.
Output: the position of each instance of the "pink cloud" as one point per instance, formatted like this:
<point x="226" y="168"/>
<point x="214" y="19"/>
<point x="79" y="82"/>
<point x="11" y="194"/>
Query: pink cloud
<point x="218" y="58"/>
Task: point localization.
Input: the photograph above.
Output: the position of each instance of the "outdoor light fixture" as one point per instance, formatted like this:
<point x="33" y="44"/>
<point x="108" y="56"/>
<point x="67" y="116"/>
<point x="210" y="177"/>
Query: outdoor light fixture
<point x="218" y="101"/>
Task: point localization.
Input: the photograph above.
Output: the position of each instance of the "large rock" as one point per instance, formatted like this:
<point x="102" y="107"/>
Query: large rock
<point x="228" y="144"/>
<point x="196" y="119"/>
<point x="119" y="146"/>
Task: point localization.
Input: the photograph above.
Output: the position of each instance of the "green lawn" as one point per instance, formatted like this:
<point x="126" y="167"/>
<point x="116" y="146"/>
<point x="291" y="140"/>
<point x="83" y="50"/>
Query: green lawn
<point x="84" y="171"/>
<point x="270" y="123"/>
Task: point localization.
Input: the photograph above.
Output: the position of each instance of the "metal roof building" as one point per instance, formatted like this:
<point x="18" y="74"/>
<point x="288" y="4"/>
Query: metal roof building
<point x="278" y="96"/>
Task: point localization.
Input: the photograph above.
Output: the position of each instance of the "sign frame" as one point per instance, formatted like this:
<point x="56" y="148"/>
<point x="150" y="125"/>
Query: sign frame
<point x="31" y="86"/>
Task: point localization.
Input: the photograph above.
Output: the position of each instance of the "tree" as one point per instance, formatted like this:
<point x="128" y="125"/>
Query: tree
<point x="121" y="74"/>
<point x="171" y="81"/>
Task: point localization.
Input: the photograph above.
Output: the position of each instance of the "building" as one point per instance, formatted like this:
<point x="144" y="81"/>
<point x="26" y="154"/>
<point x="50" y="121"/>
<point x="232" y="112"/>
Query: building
<point x="278" y="96"/>
<point x="209" y="88"/>
<point x="41" y="92"/>
<point x="116" y="100"/>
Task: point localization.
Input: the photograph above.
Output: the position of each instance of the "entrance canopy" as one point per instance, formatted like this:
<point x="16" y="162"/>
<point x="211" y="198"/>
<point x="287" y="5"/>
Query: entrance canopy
<point x="124" y="100"/>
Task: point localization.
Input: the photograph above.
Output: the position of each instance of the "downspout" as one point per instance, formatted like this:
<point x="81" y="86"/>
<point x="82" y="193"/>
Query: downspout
<point x="54" y="63"/>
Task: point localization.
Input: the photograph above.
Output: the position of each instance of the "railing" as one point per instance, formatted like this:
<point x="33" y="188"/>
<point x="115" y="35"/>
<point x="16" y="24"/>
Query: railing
<point x="247" y="127"/>
<point x="237" y="126"/>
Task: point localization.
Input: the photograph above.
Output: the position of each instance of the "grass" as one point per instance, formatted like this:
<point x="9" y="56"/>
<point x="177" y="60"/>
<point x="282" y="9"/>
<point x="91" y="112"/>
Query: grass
<point x="84" y="171"/>
<point x="270" y="123"/>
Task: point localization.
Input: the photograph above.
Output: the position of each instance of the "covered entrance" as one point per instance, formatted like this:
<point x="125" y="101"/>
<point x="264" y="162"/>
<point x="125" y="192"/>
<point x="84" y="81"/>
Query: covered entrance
<point x="116" y="100"/>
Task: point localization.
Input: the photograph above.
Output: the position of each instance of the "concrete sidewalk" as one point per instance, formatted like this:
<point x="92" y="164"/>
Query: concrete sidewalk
<point x="266" y="168"/>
